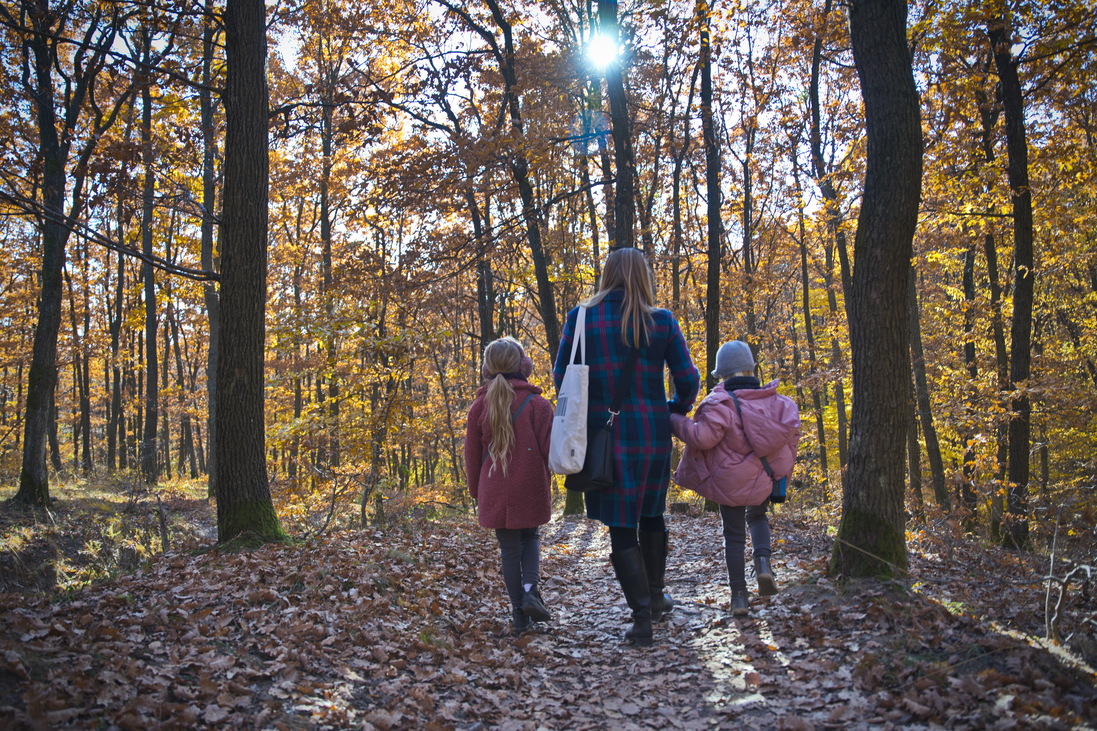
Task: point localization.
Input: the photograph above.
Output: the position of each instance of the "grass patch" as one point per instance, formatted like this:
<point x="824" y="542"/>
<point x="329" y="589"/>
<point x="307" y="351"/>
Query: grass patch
<point x="97" y="529"/>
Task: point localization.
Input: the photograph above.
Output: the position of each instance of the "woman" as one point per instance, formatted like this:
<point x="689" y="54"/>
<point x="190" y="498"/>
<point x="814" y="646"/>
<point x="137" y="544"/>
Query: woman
<point x="622" y="315"/>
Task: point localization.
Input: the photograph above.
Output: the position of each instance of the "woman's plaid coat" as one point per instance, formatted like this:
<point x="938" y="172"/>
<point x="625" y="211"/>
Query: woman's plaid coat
<point x="641" y="434"/>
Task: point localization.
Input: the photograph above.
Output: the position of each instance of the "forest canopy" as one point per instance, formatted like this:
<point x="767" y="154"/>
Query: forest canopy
<point x="443" y="173"/>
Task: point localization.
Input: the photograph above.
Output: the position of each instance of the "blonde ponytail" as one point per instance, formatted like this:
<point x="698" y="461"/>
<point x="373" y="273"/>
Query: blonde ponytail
<point x="500" y="357"/>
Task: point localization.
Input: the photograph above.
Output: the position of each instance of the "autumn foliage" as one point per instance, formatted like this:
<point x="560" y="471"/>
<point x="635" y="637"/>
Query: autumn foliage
<point x="441" y="174"/>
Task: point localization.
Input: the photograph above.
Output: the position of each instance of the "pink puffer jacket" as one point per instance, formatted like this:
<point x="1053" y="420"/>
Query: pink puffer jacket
<point x="718" y="463"/>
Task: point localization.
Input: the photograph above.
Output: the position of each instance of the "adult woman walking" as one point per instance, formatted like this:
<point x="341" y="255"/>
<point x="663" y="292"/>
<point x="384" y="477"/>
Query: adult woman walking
<point x="620" y="316"/>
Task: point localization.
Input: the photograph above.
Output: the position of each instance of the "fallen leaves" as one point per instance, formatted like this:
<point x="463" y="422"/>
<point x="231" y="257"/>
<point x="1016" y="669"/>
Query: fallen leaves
<point x="410" y="629"/>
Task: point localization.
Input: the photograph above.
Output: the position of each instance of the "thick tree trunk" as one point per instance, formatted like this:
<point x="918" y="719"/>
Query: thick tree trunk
<point x="871" y="538"/>
<point x="243" y="493"/>
<point x="1024" y="277"/>
<point x="42" y="376"/>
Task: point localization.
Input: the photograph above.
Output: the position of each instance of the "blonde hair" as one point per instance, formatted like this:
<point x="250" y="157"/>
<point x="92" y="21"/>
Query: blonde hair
<point x="501" y="356"/>
<point x="628" y="269"/>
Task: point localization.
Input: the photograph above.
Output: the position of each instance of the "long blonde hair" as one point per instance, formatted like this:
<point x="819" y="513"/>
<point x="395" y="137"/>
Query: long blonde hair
<point x="628" y="269"/>
<point x="501" y="356"/>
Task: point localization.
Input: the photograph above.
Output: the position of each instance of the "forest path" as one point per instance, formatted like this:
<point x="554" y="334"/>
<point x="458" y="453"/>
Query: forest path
<point x="407" y="627"/>
<point x="705" y="669"/>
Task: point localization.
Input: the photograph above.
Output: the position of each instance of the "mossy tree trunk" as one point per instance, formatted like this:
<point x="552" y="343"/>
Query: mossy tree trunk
<point x="871" y="537"/>
<point x="244" y="504"/>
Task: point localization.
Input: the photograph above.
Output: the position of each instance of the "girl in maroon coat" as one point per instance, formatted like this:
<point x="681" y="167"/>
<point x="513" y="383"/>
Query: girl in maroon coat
<point x="506" y="460"/>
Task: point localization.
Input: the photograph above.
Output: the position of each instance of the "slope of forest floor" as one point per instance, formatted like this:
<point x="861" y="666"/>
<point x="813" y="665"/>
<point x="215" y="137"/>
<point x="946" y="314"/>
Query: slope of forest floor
<point x="407" y="627"/>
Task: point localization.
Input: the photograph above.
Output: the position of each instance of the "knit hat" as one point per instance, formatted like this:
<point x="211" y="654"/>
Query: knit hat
<point x="732" y="358"/>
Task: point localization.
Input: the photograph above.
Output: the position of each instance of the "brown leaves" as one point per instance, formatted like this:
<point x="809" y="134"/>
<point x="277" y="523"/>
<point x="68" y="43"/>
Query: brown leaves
<point x="395" y="629"/>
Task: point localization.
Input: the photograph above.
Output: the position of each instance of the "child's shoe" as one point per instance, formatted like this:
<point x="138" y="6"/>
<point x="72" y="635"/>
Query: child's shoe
<point x="740" y="606"/>
<point x="767" y="585"/>
<point x="534" y="607"/>
<point x="521" y="621"/>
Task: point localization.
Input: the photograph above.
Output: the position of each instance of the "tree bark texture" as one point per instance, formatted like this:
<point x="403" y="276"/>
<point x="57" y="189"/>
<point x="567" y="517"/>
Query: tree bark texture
<point x="42" y="376"/>
<point x="871" y="539"/>
<point x="210" y="295"/>
<point x="243" y="493"/>
<point x="150" y="468"/>
<point x="1024" y="276"/>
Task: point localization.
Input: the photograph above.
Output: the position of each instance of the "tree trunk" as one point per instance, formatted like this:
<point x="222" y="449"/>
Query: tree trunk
<point x="621" y="131"/>
<point x="748" y="235"/>
<point x="150" y="467"/>
<point x="809" y="335"/>
<point x="968" y="495"/>
<point x="243" y="493"/>
<point x="922" y="402"/>
<point x="519" y="168"/>
<point x="1024" y="276"/>
<point x="837" y="237"/>
<point x="81" y="367"/>
<point x="485" y="285"/>
<point x="209" y="261"/>
<point x="712" y="190"/>
<point x="329" y="401"/>
<point x="871" y="537"/>
<point x="914" y="465"/>
<point x="33" y="477"/>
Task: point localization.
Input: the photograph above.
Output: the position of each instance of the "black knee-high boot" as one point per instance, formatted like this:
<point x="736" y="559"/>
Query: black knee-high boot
<point x="629" y="567"/>
<point x="654" y="547"/>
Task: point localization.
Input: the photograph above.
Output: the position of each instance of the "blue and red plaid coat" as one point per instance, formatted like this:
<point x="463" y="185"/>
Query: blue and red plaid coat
<point x="641" y="434"/>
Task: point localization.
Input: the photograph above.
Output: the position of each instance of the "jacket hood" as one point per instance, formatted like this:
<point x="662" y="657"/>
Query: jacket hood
<point x="719" y="393"/>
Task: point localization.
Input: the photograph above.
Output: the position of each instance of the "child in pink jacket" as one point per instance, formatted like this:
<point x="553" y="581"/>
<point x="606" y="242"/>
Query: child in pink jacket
<point x="506" y="462"/>
<point x="725" y="443"/>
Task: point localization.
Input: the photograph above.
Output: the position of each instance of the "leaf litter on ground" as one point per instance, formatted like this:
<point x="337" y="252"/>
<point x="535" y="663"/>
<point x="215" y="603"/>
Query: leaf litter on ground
<point x="408" y="627"/>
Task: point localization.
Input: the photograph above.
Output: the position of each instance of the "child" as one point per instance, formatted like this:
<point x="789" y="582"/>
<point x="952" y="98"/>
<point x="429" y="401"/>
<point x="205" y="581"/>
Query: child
<point x="736" y="425"/>
<point x="506" y="461"/>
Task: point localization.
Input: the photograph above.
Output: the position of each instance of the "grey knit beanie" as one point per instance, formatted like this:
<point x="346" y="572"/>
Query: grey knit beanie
<point x="732" y="358"/>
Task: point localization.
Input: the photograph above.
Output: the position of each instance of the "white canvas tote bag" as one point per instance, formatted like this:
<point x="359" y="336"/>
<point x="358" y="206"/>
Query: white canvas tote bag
<point x="568" y="443"/>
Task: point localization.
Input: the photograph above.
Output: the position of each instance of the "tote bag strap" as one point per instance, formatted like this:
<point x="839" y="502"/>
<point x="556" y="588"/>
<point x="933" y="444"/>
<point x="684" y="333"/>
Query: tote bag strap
<point x="623" y="383"/>
<point x="579" y="337"/>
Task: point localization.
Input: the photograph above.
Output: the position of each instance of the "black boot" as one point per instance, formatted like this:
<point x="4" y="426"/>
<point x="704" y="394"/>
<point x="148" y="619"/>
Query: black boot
<point x="767" y="585"/>
<point x="629" y="567"/>
<point x="740" y="604"/>
<point x="534" y="607"/>
<point x="520" y="621"/>
<point x="654" y="547"/>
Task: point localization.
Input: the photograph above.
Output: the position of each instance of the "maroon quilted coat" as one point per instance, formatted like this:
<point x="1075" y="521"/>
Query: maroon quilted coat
<point x="522" y="497"/>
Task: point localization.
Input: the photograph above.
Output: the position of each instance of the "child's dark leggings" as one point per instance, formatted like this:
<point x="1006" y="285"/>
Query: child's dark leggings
<point x="735" y="536"/>
<point x="520" y="549"/>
